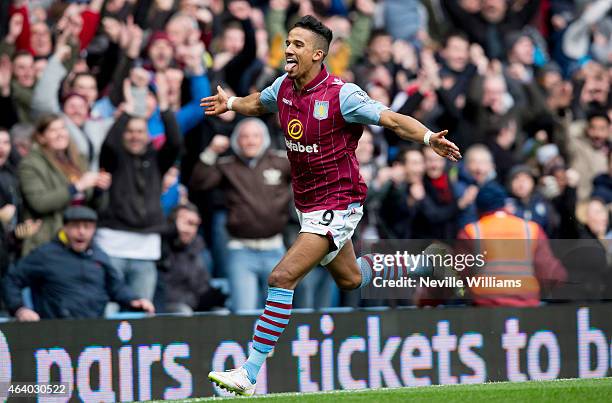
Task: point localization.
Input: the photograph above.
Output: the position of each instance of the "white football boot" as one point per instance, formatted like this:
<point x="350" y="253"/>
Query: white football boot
<point x="233" y="380"/>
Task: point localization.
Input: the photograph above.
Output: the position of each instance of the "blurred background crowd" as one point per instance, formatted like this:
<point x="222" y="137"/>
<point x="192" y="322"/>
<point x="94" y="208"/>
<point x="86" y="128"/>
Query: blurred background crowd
<point x="100" y="107"/>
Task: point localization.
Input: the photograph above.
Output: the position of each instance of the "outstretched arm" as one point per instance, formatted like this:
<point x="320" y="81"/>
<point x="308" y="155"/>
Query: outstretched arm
<point x="255" y="104"/>
<point x="217" y="104"/>
<point x="358" y="107"/>
<point x="411" y="129"/>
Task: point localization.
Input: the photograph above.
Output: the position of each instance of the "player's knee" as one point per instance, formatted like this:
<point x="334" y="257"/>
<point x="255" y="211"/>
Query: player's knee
<point x="349" y="283"/>
<point x="281" y="279"/>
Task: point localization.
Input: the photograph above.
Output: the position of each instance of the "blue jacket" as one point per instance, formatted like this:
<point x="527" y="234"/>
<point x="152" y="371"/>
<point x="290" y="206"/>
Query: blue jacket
<point x="602" y="187"/>
<point x="464" y="180"/>
<point x="188" y="116"/>
<point x="66" y="284"/>
<point x="404" y="18"/>
<point x="536" y="209"/>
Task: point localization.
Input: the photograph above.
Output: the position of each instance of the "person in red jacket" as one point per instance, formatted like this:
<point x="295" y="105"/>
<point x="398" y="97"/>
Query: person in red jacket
<point x="83" y="18"/>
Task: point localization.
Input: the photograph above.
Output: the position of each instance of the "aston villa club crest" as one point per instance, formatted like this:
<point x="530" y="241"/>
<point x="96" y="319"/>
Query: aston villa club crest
<point x="321" y="109"/>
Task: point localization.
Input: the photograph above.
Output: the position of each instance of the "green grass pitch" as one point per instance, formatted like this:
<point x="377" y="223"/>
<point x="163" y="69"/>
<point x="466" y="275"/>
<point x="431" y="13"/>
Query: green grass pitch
<point x="557" y="391"/>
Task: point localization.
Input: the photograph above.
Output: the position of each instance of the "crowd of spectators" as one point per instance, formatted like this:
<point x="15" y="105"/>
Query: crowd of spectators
<point x="100" y="107"/>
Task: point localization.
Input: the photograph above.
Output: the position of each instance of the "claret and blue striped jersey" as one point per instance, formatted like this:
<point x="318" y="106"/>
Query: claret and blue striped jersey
<point x="322" y="124"/>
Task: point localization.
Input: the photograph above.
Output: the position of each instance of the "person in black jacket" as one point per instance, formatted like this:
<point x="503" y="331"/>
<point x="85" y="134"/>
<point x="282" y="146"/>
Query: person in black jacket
<point x="602" y="184"/>
<point x="235" y="63"/>
<point x="186" y="280"/>
<point x="587" y="257"/>
<point x="400" y="203"/>
<point x="12" y="228"/>
<point x="9" y="111"/>
<point x="440" y="205"/>
<point x="70" y="276"/>
<point x="131" y="227"/>
<point x="424" y="205"/>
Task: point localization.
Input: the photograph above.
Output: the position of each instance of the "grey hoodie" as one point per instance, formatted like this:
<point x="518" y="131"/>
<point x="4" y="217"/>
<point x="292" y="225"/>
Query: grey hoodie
<point x="265" y="145"/>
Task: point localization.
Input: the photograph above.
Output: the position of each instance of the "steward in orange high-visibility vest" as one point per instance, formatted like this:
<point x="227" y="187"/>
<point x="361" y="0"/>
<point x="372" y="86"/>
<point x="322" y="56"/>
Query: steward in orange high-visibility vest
<point x="517" y="255"/>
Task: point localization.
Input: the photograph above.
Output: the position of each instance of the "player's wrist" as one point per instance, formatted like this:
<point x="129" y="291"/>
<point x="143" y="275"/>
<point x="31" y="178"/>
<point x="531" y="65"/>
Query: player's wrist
<point x="427" y="138"/>
<point x="230" y="102"/>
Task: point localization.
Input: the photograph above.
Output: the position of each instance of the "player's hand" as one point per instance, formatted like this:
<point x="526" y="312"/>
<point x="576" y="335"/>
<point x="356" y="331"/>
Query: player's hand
<point x="444" y="147"/>
<point x="215" y="104"/>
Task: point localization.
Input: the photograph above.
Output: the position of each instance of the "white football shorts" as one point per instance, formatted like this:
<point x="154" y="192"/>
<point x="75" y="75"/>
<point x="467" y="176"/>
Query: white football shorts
<point x="337" y="225"/>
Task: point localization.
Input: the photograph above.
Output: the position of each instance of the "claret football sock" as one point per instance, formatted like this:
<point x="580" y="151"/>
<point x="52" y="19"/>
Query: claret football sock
<point x="372" y="267"/>
<point x="268" y="328"/>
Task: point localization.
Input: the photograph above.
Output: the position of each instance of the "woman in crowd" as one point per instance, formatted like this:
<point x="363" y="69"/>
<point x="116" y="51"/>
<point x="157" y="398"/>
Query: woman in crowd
<point x="54" y="176"/>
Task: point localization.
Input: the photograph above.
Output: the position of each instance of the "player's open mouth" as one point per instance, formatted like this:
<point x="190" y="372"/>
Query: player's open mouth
<point x="291" y="63"/>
